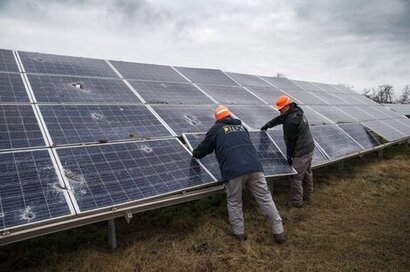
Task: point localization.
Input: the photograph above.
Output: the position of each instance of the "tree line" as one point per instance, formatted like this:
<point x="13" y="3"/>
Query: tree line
<point x="385" y="94"/>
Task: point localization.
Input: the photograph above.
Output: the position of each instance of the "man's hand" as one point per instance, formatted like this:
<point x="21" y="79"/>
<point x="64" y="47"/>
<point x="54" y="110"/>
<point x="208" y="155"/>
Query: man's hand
<point x="289" y="159"/>
<point x="265" y="127"/>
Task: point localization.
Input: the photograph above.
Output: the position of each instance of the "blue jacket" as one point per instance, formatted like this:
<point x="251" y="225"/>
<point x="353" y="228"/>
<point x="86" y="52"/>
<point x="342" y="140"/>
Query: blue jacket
<point x="234" y="149"/>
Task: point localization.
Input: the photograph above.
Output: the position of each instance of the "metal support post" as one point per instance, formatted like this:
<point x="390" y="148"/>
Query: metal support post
<point x="341" y="165"/>
<point x="380" y="153"/>
<point x="112" y="235"/>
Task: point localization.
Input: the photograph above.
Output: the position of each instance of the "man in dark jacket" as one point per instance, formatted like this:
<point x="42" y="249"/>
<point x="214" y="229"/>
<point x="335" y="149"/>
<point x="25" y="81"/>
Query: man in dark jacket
<point x="299" y="148"/>
<point x="239" y="164"/>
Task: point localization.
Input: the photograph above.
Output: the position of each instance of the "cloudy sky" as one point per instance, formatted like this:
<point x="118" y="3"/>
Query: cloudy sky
<point x="364" y="43"/>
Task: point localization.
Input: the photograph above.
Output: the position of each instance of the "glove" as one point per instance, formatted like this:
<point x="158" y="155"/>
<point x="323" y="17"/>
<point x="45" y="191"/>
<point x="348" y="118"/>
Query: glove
<point x="289" y="159"/>
<point x="265" y="127"/>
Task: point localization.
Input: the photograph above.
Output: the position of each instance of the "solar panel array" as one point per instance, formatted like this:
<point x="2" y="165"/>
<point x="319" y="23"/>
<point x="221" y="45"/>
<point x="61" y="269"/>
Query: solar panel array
<point x="79" y="135"/>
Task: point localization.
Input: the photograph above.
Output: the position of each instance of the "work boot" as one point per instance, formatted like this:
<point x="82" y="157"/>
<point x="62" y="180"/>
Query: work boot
<point x="290" y="204"/>
<point x="280" y="238"/>
<point x="239" y="237"/>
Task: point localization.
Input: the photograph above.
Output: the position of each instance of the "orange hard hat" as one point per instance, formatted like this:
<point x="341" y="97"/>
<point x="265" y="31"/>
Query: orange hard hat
<point x="283" y="101"/>
<point x="221" y="112"/>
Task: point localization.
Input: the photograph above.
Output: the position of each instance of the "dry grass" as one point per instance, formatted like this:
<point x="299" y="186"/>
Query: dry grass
<point x="359" y="221"/>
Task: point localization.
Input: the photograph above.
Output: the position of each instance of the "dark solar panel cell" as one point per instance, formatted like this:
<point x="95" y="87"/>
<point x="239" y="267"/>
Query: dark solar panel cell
<point x="230" y="95"/>
<point x="109" y="175"/>
<point x="268" y="94"/>
<point x="12" y="88"/>
<point x="30" y="190"/>
<point x="360" y="134"/>
<point x="254" y="117"/>
<point x="7" y="61"/>
<point x="248" y="80"/>
<point x="282" y="83"/>
<point x="206" y="76"/>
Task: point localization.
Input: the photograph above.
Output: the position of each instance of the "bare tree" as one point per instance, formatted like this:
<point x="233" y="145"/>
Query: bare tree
<point x="281" y="75"/>
<point x="405" y="97"/>
<point x="383" y="94"/>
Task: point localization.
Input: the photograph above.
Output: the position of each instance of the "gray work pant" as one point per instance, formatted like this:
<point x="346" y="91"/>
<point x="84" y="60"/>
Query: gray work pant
<point x="301" y="185"/>
<point x="256" y="183"/>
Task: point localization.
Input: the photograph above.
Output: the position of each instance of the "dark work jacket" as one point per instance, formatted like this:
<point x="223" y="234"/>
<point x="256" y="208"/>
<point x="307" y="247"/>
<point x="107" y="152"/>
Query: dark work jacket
<point x="296" y="132"/>
<point x="233" y="147"/>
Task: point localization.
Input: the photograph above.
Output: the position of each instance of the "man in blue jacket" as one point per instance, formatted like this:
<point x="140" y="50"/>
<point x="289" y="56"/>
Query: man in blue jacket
<point x="240" y="166"/>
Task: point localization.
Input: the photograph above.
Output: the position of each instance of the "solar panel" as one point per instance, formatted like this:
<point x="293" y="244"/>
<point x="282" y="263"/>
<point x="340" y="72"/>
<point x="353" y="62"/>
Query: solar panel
<point x="400" y="125"/>
<point x="64" y="65"/>
<point x="187" y="118"/>
<point x="328" y="88"/>
<point x="334" y="114"/>
<point x="209" y="161"/>
<point x="150" y="72"/>
<point x="254" y="117"/>
<point x="273" y="162"/>
<point x="12" y="88"/>
<point x="70" y="124"/>
<point x="402" y="109"/>
<point x="230" y="94"/>
<point x="248" y="80"/>
<point x="7" y="61"/>
<point x="305" y="97"/>
<point x="372" y="111"/>
<point x="356" y="113"/>
<point x="277" y="136"/>
<point x="307" y="86"/>
<point x="384" y="130"/>
<point x="360" y="134"/>
<point x="282" y="83"/>
<point x="58" y="89"/>
<point x="30" y="190"/>
<point x="334" y="141"/>
<point x="357" y="99"/>
<point x="386" y="112"/>
<point x="332" y="99"/>
<point x="345" y="89"/>
<point x="268" y="94"/>
<point x="206" y="76"/>
<point x="169" y="93"/>
<point x="103" y="176"/>
<point x="313" y="117"/>
<point x="19" y="127"/>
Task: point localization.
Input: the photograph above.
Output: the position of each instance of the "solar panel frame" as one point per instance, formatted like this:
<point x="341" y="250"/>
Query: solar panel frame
<point x="75" y="124"/>
<point x="34" y="192"/>
<point x="230" y="95"/>
<point x="206" y="76"/>
<point x="115" y="175"/>
<point x="248" y="80"/>
<point x="8" y="61"/>
<point x="12" y="89"/>
<point x="360" y="134"/>
<point x="40" y="63"/>
<point x="169" y="93"/>
<point x="334" y="141"/>
<point x="19" y="127"/>
<point x="149" y="72"/>
<point x="79" y="90"/>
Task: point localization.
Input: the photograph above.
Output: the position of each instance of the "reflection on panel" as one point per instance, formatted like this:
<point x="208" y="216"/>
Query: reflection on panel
<point x="150" y="72"/>
<point x="104" y="176"/>
<point x="58" y="89"/>
<point x="19" y="127"/>
<point x="30" y="190"/>
<point x="169" y="93"/>
<point x="230" y="95"/>
<point x="12" y="88"/>
<point x="69" y="124"/>
<point x="360" y="134"/>
<point x="206" y="76"/>
<point x="334" y="141"/>
<point x="64" y="65"/>
<point x="187" y="118"/>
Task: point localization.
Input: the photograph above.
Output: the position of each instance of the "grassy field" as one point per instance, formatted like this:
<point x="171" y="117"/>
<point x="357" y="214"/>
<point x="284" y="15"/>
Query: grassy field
<point x="359" y="220"/>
